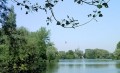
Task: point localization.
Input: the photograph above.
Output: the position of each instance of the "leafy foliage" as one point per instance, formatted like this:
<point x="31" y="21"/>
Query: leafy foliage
<point x="89" y="54"/>
<point x="97" y="54"/>
<point x="22" y="51"/>
<point x="117" y="54"/>
<point x="70" y="54"/>
<point x="118" y="45"/>
<point x="51" y="53"/>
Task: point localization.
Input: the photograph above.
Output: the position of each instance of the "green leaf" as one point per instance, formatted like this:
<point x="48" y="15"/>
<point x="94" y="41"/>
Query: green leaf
<point x="99" y="6"/>
<point x="48" y="18"/>
<point x="47" y="23"/>
<point x="24" y="1"/>
<point x="100" y="15"/>
<point x="58" y="23"/>
<point x="99" y="11"/>
<point x="79" y="2"/>
<point x="67" y="22"/>
<point x="94" y="15"/>
<point x="18" y="4"/>
<point x="26" y="12"/>
<point x="26" y="6"/>
<point x="105" y="5"/>
<point x="49" y="5"/>
<point x="63" y="25"/>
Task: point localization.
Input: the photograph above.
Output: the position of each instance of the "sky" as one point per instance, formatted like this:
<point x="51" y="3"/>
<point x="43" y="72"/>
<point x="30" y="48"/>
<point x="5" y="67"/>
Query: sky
<point x="104" y="34"/>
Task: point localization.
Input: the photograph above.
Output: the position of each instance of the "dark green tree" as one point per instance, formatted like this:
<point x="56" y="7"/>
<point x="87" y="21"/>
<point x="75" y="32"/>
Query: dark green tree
<point x="89" y="53"/>
<point x="20" y="50"/>
<point x="97" y="54"/>
<point x="70" y="54"/>
<point x="101" y="54"/>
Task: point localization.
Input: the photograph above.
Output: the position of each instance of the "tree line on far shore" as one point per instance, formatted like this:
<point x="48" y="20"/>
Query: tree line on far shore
<point x="88" y="54"/>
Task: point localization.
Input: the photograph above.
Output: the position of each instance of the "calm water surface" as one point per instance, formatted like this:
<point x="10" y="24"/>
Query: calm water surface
<point x="85" y="66"/>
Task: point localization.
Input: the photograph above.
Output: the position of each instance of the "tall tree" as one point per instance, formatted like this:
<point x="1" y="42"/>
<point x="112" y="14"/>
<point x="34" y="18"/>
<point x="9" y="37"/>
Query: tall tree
<point x="22" y="51"/>
<point x="9" y="30"/>
<point x="42" y="36"/>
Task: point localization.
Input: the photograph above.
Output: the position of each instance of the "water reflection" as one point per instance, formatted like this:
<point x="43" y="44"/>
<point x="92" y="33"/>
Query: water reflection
<point x="96" y="65"/>
<point x="52" y="67"/>
<point x="118" y="64"/>
<point x="86" y="66"/>
<point x="73" y="65"/>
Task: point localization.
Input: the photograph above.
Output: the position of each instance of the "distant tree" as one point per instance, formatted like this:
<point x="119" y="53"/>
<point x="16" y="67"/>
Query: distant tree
<point x="78" y="53"/>
<point x="48" y="6"/>
<point x="101" y="54"/>
<point x="89" y="54"/>
<point x="117" y="51"/>
<point x="118" y="45"/>
<point x="97" y="54"/>
<point x="62" y="55"/>
<point x="117" y="54"/>
<point x="111" y="56"/>
<point x="70" y="54"/>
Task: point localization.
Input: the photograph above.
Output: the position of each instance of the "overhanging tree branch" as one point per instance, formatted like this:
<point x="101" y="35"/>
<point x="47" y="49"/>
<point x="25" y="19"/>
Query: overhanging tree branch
<point x="66" y="23"/>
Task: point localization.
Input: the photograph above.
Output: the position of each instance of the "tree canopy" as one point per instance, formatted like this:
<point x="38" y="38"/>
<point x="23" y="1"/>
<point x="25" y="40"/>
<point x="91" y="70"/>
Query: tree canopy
<point x="22" y="51"/>
<point x="96" y="54"/>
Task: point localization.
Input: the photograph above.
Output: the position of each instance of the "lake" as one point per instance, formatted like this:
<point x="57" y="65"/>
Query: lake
<point x="85" y="66"/>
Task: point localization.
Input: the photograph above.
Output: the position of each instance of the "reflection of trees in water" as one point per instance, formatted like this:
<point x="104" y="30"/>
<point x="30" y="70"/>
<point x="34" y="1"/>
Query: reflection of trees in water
<point x="71" y="65"/>
<point x="52" y="67"/>
<point x="42" y="66"/>
<point x="96" y="65"/>
<point x="118" y="65"/>
<point x="74" y="65"/>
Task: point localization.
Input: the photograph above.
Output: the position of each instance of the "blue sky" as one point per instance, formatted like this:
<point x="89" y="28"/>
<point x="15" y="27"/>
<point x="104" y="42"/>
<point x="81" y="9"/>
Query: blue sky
<point x="104" y="34"/>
